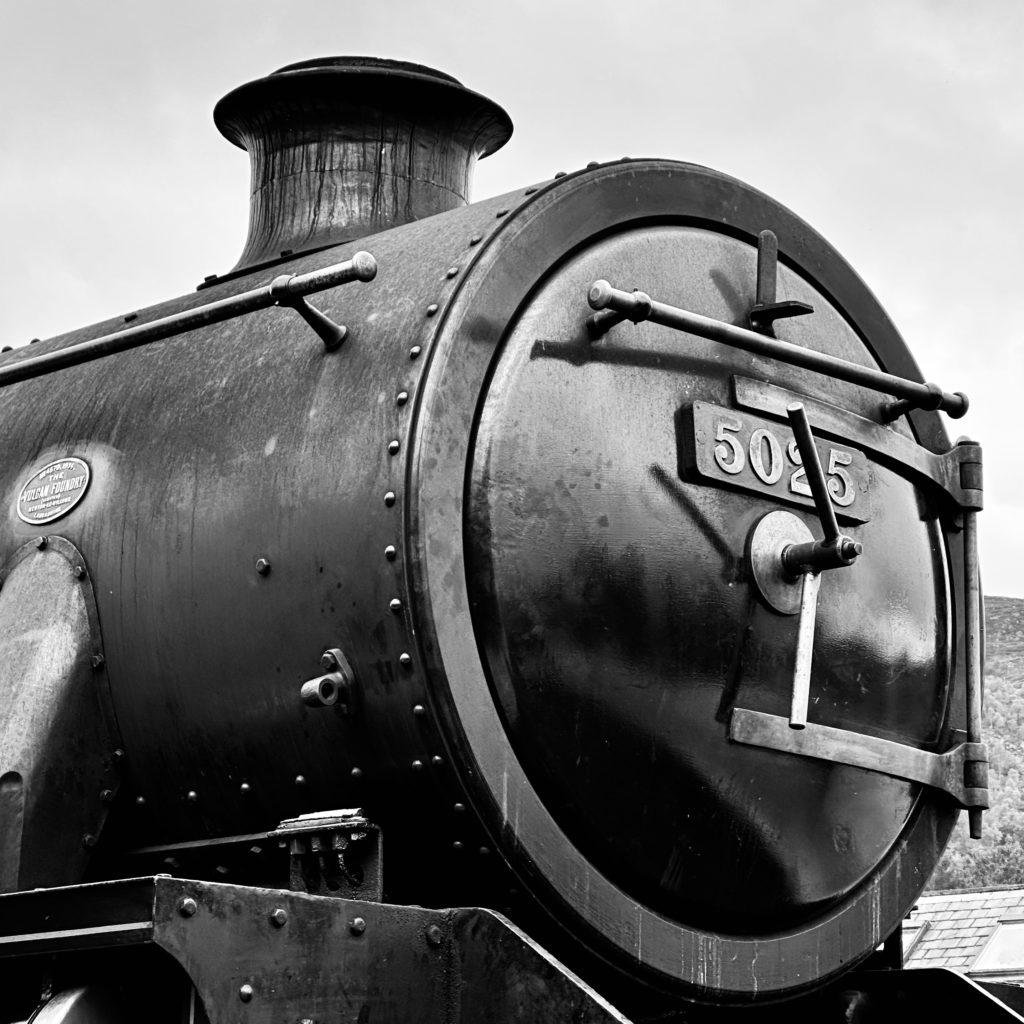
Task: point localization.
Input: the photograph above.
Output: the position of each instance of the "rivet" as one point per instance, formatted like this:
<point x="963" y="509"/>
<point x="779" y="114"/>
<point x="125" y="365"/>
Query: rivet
<point x="278" y="917"/>
<point x="118" y="755"/>
<point x="245" y="788"/>
<point x="437" y="760"/>
<point x="79" y="571"/>
<point x="140" y="801"/>
<point x="97" y="661"/>
<point x="300" y="780"/>
<point x="501" y="213"/>
<point x="452" y="272"/>
<point x="192" y="796"/>
<point x="245" y="993"/>
<point x="391" y="552"/>
<point x="432" y="308"/>
<point x="107" y="796"/>
<point x="210" y="277"/>
<point x="559" y="174"/>
<point x="222" y="870"/>
<point x="457" y="845"/>
<point x="395" y="605"/>
<point x="485" y="851"/>
<point x="40" y="543"/>
<point x="328" y="662"/>
<point x="357" y="926"/>
<point x="417" y="766"/>
<point x="129" y="317"/>
<point x="393" y="447"/>
<point x="434" y="935"/>
<point x="187" y="907"/>
<point x="529" y="192"/>
<point x="459" y="808"/>
<point x="263" y="566"/>
<point x="418" y="709"/>
<point x="389" y="498"/>
<point x="401" y="398"/>
<point x="171" y="862"/>
<point x="88" y="840"/>
<point x="593" y="163"/>
<point x="476" y="239"/>
<point x="414" y="352"/>
<point x="356" y="773"/>
<point x="405" y="659"/>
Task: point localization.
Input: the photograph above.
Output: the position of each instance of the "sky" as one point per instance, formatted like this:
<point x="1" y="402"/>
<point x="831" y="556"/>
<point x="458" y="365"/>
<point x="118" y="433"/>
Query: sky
<point x="894" y="127"/>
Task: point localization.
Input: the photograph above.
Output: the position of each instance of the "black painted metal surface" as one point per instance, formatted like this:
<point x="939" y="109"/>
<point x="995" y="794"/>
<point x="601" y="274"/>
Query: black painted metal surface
<point x="548" y="620"/>
<point x="266" y="956"/>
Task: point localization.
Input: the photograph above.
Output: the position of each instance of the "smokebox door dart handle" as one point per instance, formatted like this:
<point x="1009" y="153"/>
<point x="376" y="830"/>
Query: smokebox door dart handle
<point x="282" y="291"/>
<point x="637" y="307"/>
<point x="835" y="550"/>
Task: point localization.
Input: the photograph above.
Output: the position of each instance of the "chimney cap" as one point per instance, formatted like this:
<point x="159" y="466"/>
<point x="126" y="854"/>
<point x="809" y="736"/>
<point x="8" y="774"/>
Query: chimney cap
<point x="374" y="81"/>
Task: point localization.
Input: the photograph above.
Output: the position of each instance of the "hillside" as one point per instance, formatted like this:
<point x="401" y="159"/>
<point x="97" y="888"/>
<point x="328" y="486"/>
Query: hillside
<point x="998" y="859"/>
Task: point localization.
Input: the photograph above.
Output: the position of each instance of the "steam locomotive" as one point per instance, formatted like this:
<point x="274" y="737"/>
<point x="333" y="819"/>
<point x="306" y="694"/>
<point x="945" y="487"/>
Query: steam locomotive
<point x="591" y="559"/>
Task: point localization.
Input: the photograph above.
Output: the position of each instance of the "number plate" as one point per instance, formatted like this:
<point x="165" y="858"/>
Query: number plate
<point x="723" y="446"/>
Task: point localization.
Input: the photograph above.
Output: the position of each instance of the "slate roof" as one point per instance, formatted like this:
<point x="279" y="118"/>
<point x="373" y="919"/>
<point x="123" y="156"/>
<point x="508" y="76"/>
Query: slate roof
<point x="956" y="925"/>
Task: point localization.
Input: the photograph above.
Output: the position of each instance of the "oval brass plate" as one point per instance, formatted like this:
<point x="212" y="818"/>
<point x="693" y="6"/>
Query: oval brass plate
<point x="53" y="491"/>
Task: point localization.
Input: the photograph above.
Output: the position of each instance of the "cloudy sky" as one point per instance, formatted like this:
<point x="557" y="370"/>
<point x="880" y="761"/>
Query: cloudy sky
<point x="895" y="127"/>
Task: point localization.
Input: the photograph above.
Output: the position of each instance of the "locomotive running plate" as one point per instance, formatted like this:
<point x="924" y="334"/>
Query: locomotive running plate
<point x="726" y="447"/>
<point x="53" y="491"/>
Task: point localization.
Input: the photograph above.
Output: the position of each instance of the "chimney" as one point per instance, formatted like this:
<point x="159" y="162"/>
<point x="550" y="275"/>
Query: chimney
<point x="343" y="147"/>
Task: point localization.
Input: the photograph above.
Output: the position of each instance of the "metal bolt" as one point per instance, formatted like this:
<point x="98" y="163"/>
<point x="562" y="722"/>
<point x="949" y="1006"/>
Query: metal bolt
<point x="300" y="780"/>
<point x="401" y="398"/>
<point x="356" y="773"/>
<point x="79" y="571"/>
<point x="414" y="352"/>
<point x="434" y="935"/>
<point x="851" y="548"/>
<point x="278" y="917"/>
<point x="245" y="993"/>
<point x="107" y="796"/>
<point x="395" y="605"/>
<point x="391" y="552"/>
<point x="187" y="907"/>
<point x="97" y="661"/>
<point x="452" y="272"/>
<point x="405" y="660"/>
<point x="192" y="796"/>
<point x="88" y="840"/>
<point x="432" y="309"/>
<point x="357" y="926"/>
<point x="417" y="766"/>
<point x="263" y="566"/>
<point x="40" y="543"/>
<point x="389" y="498"/>
<point x="328" y="661"/>
<point x="393" y="447"/>
<point x="418" y="709"/>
